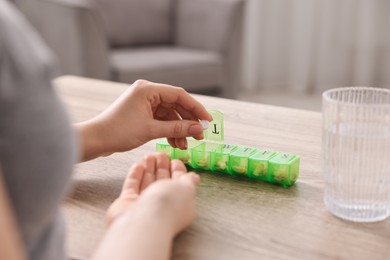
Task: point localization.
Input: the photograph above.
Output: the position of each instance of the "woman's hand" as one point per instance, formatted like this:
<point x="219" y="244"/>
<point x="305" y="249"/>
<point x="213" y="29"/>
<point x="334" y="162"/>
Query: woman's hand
<point x="144" y="112"/>
<point x="156" y="203"/>
<point x="160" y="187"/>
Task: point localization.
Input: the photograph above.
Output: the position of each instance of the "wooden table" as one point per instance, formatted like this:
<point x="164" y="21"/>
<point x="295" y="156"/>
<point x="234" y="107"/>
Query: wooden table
<point x="236" y="219"/>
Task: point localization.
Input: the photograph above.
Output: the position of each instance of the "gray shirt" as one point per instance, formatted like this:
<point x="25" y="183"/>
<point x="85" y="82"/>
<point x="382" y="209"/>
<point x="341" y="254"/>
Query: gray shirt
<point x="37" y="144"/>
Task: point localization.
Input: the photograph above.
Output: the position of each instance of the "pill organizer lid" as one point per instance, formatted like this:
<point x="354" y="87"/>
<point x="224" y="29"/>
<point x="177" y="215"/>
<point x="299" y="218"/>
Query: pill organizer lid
<point x="215" y="132"/>
<point x="284" y="158"/>
<point x="263" y="155"/>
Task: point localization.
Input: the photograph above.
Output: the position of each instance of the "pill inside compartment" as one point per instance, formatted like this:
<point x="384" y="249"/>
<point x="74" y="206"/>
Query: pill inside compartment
<point x="219" y="158"/>
<point x="239" y="159"/>
<point x="186" y="155"/>
<point x="284" y="169"/>
<point x="201" y="155"/>
<point x="258" y="164"/>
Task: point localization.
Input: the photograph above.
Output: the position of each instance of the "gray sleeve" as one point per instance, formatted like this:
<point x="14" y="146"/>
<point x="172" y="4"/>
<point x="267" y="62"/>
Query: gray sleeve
<point x="38" y="147"/>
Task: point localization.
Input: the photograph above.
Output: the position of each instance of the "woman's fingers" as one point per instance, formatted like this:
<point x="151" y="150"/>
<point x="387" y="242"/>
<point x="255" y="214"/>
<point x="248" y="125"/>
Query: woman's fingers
<point x="149" y="162"/>
<point x="190" y="178"/>
<point x="173" y="95"/>
<point x="133" y="180"/>
<point x="163" y="164"/>
<point x="177" y="169"/>
<point x="176" y="128"/>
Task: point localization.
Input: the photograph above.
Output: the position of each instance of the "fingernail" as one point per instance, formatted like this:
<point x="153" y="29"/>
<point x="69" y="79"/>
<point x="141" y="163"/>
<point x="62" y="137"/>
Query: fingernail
<point x="195" y="129"/>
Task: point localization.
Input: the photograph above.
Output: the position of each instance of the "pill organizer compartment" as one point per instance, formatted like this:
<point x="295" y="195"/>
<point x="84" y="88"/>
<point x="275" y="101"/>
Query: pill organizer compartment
<point x="284" y="169"/>
<point x="186" y="155"/>
<point x="219" y="161"/>
<point x="258" y="164"/>
<point x="239" y="159"/>
<point x="162" y="145"/>
<point x="201" y="155"/>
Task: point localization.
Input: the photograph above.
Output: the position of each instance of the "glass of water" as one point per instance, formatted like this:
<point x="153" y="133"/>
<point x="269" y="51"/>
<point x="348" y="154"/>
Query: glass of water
<point x="356" y="152"/>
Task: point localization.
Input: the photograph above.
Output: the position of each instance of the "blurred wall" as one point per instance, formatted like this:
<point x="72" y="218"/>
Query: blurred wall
<point x="311" y="45"/>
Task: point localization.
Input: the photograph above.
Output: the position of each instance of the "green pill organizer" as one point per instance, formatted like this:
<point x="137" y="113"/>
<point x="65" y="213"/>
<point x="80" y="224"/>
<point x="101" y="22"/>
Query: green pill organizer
<point x="212" y="154"/>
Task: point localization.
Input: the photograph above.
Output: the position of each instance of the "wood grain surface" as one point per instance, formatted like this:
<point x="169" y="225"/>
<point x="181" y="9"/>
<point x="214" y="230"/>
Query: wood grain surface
<point x="236" y="218"/>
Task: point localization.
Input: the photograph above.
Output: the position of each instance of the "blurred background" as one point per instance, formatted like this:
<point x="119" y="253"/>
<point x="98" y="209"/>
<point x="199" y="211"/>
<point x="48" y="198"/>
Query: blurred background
<point x="270" y="51"/>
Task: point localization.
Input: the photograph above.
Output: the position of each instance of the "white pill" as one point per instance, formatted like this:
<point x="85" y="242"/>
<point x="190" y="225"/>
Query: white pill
<point x="205" y="124"/>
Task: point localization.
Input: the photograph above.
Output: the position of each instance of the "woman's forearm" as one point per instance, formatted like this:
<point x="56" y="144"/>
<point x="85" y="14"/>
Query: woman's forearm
<point x="91" y="140"/>
<point x="145" y="237"/>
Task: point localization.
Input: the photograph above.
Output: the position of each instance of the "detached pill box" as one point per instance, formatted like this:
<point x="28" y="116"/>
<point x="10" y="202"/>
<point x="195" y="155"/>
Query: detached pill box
<point x="214" y="155"/>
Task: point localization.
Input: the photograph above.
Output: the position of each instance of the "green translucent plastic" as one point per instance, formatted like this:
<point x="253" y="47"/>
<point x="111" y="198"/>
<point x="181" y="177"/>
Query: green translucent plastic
<point x="219" y="158"/>
<point x="284" y="169"/>
<point x="215" y="132"/>
<point x="214" y="155"/>
<point x="163" y="146"/>
<point x="258" y="164"/>
<point x="202" y="155"/>
<point x="186" y="155"/>
<point x="239" y="160"/>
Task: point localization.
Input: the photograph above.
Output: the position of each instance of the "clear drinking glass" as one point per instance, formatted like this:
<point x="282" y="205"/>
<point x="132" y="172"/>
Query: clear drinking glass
<point x="356" y="152"/>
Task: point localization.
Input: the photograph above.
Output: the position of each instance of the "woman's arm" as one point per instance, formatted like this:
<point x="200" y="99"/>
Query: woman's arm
<point x="11" y="244"/>
<point x="144" y="112"/>
<point x="141" y="235"/>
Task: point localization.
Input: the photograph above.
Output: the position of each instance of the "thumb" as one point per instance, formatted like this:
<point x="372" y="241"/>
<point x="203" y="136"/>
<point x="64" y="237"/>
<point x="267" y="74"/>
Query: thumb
<point x="178" y="128"/>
